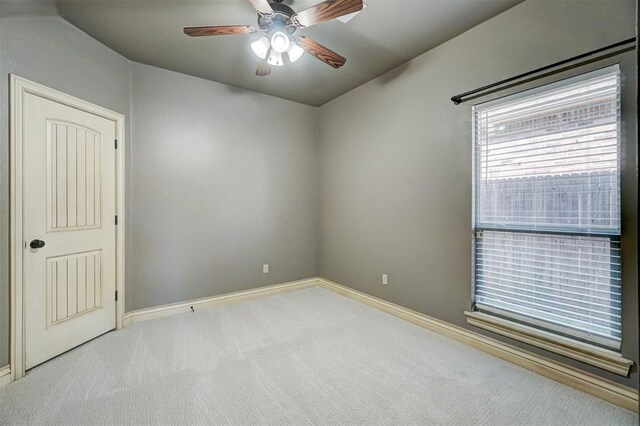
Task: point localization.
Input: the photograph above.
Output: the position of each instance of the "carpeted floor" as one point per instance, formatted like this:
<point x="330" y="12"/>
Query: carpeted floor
<point x="304" y="357"/>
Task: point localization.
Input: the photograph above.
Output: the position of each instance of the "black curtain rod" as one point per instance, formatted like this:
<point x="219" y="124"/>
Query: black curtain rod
<point x="458" y="98"/>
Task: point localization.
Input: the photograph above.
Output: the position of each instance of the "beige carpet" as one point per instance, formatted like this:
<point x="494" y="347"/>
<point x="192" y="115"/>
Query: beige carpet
<point x="305" y="357"/>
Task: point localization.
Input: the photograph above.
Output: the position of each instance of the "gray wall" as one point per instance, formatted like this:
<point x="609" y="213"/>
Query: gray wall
<point x="50" y="51"/>
<point x="396" y="160"/>
<point x="224" y="180"/>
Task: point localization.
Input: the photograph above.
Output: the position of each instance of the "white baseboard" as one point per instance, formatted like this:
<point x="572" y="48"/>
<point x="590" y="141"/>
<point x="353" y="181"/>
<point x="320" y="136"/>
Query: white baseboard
<point x="5" y="375"/>
<point x="613" y="392"/>
<point x="607" y="390"/>
<point x="207" y="302"/>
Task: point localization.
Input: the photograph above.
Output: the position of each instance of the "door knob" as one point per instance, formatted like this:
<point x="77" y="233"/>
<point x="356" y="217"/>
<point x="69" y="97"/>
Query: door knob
<point x="36" y="244"/>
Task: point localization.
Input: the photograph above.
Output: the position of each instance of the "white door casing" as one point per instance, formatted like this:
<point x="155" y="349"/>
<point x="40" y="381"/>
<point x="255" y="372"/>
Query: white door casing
<point x="67" y="188"/>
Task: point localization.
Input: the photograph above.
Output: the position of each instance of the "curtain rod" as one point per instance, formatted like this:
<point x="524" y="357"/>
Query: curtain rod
<point x="457" y="99"/>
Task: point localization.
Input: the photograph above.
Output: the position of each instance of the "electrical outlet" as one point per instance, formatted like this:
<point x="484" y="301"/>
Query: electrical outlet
<point x="385" y="279"/>
<point x="265" y="268"/>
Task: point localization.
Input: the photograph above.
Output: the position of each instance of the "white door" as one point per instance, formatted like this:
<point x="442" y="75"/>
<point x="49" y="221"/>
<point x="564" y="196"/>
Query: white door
<point x="69" y="205"/>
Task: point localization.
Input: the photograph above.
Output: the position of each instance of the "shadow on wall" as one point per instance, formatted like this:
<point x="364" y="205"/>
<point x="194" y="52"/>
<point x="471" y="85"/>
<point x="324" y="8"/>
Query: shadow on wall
<point x="394" y="74"/>
<point x="360" y="44"/>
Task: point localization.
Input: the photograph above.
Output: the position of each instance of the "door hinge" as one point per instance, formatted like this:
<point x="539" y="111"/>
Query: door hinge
<point x="116" y="219"/>
<point x="116" y="144"/>
<point x="116" y="295"/>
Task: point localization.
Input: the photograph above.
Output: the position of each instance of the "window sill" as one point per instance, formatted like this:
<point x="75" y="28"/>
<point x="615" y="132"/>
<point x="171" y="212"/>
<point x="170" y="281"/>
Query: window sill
<point x="584" y="352"/>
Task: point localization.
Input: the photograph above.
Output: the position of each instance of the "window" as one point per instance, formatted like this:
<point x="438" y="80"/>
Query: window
<point x="547" y="208"/>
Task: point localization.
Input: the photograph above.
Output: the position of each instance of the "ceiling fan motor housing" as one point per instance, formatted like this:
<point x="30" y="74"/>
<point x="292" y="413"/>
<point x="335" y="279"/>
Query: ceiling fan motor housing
<point x="279" y="21"/>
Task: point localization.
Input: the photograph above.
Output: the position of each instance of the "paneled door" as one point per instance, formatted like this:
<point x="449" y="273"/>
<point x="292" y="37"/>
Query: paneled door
<point x="69" y="205"/>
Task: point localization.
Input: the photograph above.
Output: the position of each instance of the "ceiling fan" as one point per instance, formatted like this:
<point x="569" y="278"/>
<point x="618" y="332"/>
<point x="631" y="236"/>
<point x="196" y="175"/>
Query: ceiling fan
<point x="278" y="22"/>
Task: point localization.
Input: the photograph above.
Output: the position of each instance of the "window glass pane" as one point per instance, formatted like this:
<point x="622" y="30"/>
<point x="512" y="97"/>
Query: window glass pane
<point x="563" y="279"/>
<point x="550" y="160"/>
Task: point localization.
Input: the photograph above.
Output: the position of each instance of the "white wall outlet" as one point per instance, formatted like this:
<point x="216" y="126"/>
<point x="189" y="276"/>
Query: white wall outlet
<point x="265" y="268"/>
<point x="385" y="279"/>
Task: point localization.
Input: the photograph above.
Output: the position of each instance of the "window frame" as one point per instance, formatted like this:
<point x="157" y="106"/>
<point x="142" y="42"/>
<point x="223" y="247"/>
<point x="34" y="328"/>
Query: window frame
<point x="528" y="325"/>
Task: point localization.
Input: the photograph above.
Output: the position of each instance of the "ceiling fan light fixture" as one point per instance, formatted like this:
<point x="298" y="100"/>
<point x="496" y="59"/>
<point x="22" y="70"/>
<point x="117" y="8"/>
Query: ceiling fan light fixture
<point x="275" y="59"/>
<point x="294" y="52"/>
<point x="260" y="47"/>
<point x="277" y="22"/>
<point x="280" y="42"/>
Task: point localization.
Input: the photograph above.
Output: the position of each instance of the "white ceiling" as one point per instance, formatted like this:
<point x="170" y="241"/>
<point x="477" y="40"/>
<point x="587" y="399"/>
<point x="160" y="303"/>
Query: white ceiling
<point x="386" y="34"/>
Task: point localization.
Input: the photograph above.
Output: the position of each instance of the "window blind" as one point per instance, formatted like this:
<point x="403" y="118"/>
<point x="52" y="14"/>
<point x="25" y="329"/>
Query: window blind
<point x="547" y="207"/>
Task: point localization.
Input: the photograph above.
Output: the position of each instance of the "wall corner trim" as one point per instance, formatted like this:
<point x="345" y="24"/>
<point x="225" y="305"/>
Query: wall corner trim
<point x="5" y="375"/>
<point x="583" y="352"/>
<point x="599" y="387"/>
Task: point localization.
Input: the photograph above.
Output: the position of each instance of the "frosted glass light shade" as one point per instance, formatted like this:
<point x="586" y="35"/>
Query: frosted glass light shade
<point x="260" y="47"/>
<point x="294" y="52"/>
<point x="280" y="42"/>
<point x="275" y="59"/>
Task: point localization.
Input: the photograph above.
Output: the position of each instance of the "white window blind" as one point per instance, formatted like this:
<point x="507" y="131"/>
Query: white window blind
<point x="547" y="207"/>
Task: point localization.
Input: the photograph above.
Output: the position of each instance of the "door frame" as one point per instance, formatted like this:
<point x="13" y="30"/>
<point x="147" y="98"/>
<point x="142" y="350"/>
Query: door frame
<point x="19" y="87"/>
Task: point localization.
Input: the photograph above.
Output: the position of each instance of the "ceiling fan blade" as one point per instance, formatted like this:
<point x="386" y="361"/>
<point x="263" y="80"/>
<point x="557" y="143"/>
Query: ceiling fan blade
<point x="219" y="30"/>
<point x="326" y="11"/>
<point x="264" y="68"/>
<point x="319" y="51"/>
<point x="262" y="6"/>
